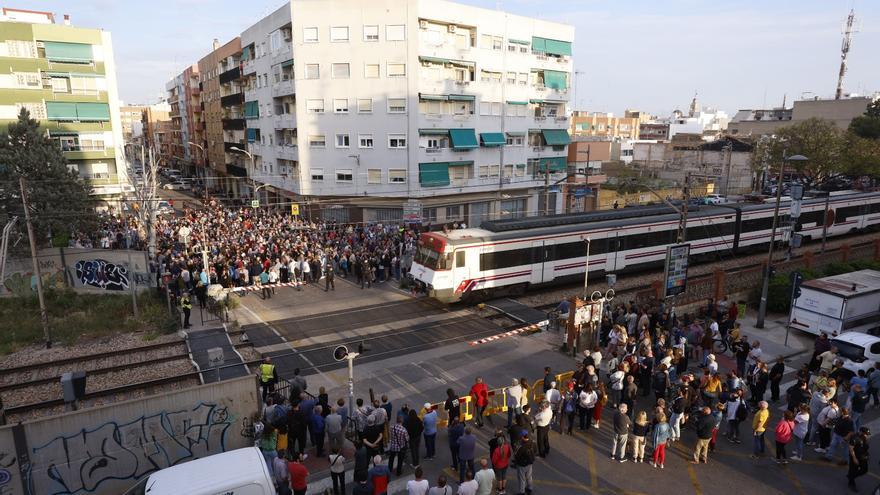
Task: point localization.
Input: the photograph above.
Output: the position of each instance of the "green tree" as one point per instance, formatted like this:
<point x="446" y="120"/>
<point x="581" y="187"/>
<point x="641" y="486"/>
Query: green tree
<point x="58" y="198"/>
<point x="868" y="125"/>
<point x="817" y="139"/>
<point x="862" y="155"/>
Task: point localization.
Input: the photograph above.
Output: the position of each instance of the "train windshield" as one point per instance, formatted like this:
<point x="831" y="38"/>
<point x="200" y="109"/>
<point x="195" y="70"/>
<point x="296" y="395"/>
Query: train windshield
<point x="432" y="259"/>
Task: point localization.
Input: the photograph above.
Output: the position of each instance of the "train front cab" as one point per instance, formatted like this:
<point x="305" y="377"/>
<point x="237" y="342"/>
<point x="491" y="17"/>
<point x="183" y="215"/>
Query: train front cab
<point x="434" y="266"/>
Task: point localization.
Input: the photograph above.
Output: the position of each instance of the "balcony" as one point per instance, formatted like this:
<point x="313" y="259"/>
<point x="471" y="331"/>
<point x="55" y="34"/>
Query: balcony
<point x="234" y="124"/>
<point x="248" y="68"/>
<point x="287" y="152"/>
<point x="236" y="170"/>
<point x="230" y="75"/>
<point x="232" y="100"/>
<point x="283" y="88"/>
<point x="285" y="121"/>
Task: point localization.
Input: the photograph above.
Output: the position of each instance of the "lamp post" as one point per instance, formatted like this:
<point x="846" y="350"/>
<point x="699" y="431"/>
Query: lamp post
<point x="357" y="159"/>
<point x="762" y="309"/>
<point x="253" y="168"/>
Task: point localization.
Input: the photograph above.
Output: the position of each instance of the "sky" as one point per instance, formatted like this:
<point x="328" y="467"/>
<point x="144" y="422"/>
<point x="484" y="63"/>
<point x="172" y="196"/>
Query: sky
<point x="642" y="54"/>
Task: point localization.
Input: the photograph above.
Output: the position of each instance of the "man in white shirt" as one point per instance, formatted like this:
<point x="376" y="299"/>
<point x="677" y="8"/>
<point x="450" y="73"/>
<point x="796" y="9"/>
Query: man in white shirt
<point x="586" y="402"/>
<point x="469" y="487"/>
<point x="542" y="425"/>
<point x="485" y="478"/>
<point x="417" y="486"/>
<point x="555" y="399"/>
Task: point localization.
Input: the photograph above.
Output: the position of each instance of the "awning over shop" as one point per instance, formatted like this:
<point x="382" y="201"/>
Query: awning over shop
<point x="463" y="139"/>
<point x="492" y="139"/>
<point x="556" y="137"/>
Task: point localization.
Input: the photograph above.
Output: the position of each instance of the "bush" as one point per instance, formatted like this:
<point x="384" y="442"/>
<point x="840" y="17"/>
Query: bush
<point x="837" y="268"/>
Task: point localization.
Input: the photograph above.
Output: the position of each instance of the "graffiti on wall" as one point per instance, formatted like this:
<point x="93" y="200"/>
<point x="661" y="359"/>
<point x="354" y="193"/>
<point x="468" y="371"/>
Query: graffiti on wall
<point x="7" y="462"/>
<point x="102" y="274"/>
<point x="25" y="283"/>
<point x="80" y="462"/>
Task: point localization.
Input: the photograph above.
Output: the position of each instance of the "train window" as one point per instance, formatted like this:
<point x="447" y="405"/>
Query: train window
<point x="875" y="208"/>
<point x="755" y="224"/>
<point x="577" y="249"/>
<point x="505" y="259"/>
<point x="846" y="212"/>
<point x="811" y="217"/>
<point x="709" y="230"/>
<point x="459" y="259"/>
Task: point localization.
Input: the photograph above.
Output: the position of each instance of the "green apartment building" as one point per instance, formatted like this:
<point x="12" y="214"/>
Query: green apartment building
<point x="65" y="77"/>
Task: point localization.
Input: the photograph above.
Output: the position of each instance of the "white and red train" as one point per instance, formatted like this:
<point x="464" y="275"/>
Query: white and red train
<point x="513" y="255"/>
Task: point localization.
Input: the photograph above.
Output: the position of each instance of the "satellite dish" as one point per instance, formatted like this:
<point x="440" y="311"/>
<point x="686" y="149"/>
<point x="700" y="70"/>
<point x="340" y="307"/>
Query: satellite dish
<point x="340" y="353"/>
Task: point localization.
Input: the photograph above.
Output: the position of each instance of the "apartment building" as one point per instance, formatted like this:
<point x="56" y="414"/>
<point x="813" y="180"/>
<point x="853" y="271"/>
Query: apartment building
<point x="604" y="125"/>
<point x="180" y="89"/>
<point x="358" y="110"/>
<point x="157" y="126"/>
<point x="131" y="119"/>
<point x="220" y="94"/>
<point x="65" y="77"/>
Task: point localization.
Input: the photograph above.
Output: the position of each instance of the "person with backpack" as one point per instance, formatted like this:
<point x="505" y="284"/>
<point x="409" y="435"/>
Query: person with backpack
<point x="500" y="455"/>
<point x="737" y="412"/>
<point x="569" y="409"/>
<point x="784" y="432"/>
<point x="524" y="457"/>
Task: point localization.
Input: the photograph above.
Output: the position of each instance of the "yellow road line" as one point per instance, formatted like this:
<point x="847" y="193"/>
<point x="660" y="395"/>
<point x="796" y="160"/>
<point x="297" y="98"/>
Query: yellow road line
<point x="591" y="462"/>
<point x="693" y="474"/>
<point x="796" y="482"/>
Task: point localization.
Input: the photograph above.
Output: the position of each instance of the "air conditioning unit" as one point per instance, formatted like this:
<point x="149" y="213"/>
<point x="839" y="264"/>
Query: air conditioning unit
<point x="451" y="28"/>
<point x="423" y="24"/>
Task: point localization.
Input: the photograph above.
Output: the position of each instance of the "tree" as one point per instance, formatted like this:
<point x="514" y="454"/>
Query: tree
<point x="868" y="125"/>
<point x="59" y="199"/>
<point x="862" y="156"/>
<point x="817" y="139"/>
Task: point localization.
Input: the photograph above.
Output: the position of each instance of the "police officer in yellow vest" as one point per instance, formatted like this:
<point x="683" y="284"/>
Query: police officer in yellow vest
<point x="267" y="377"/>
<point x="186" y="305"/>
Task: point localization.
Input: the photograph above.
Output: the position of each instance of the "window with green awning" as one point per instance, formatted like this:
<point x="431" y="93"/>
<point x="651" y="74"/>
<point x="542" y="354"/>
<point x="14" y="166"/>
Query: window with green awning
<point x="433" y="132"/>
<point x="463" y="139"/>
<point x="553" y="164"/>
<point x="251" y="135"/>
<point x="490" y="139"/>
<point x="556" y="137"/>
<point x="512" y="102"/>
<point x="518" y="42"/>
<point x="555" y="79"/>
<point x="423" y="96"/>
<point x="551" y="47"/>
<point x="57" y="51"/>
<point x="93" y="112"/>
<point x="434" y="60"/>
<point x="56" y="110"/>
<point x="434" y="174"/>
<point x="467" y="163"/>
<point x="251" y="109"/>
<point x="462" y="98"/>
<point x="287" y="63"/>
<point x="245" y="53"/>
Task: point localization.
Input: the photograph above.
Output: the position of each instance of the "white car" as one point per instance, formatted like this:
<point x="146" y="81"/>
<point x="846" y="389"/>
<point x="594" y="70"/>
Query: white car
<point x="177" y="186"/>
<point x="164" y="207"/>
<point x="715" y="199"/>
<point x="859" y="351"/>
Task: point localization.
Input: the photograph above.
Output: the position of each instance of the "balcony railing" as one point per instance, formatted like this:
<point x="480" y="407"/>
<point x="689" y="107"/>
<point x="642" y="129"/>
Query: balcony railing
<point x="230" y="75"/>
<point x="234" y="124"/>
<point x="83" y="148"/>
<point x="283" y="88"/>
<point x="232" y="100"/>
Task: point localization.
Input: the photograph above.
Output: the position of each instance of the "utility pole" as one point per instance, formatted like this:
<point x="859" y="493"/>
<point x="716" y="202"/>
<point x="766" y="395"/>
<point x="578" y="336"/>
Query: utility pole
<point x="586" y="179"/>
<point x="132" y="280"/>
<point x="844" y="51"/>
<point x="686" y="199"/>
<point x="44" y="316"/>
<point x="546" y="188"/>
<point x="825" y="222"/>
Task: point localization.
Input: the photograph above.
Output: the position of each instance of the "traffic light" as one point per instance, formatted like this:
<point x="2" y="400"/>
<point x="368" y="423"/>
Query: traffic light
<point x="771" y="271"/>
<point x="795" y="278"/>
<point x="340" y="353"/>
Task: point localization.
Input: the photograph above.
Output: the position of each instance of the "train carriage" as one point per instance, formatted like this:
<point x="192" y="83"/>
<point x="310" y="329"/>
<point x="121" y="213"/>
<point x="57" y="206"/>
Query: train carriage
<point x="509" y="256"/>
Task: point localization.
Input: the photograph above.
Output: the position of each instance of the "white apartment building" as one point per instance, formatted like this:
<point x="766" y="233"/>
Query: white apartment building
<point x="359" y="108"/>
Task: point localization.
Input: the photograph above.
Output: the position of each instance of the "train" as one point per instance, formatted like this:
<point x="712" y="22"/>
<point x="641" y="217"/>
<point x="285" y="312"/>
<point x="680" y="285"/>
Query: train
<point x="509" y="256"/>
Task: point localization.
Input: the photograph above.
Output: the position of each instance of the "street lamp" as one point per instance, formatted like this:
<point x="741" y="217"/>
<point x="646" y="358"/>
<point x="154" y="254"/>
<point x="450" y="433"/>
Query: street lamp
<point x="357" y="172"/>
<point x="253" y="168"/>
<point x="762" y="309"/>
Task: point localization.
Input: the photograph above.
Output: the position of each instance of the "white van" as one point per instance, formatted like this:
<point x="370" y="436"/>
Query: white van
<point x="237" y="472"/>
<point x="859" y="351"/>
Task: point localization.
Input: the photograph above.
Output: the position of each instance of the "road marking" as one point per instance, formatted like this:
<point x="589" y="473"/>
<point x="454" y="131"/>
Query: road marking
<point x="796" y="482"/>
<point x="591" y="460"/>
<point x="693" y="474"/>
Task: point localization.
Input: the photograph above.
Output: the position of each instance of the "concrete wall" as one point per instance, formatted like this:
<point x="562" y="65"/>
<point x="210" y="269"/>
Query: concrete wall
<point x="105" y="450"/>
<point x="87" y="270"/>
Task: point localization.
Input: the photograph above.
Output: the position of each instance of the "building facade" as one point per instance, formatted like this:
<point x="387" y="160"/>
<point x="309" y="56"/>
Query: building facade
<point x="131" y="117"/>
<point x="157" y="122"/>
<point x="225" y="168"/>
<point x="604" y="125"/>
<point x="726" y="162"/>
<point x="449" y="110"/>
<point x="749" y="122"/>
<point x="66" y="78"/>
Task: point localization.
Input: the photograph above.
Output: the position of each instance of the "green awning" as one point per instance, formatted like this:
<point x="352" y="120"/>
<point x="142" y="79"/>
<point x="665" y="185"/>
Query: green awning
<point x="516" y="133"/>
<point x="461" y="164"/>
<point x="536" y="101"/>
<point x="287" y="63"/>
<point x="57" y="51"/>
<point x="518" y="42"/>
<point x="63" y="133"/>
<point x="434" y="60"/>
<point x="56" y="110"/>
<point x="539" y="44"/>
<point x="511" y="102"/>
<point x="555" y="79"/>
<point x="251" y="135"/>
<point x="556" y="137"/>
<point x="423" y="96"/>
<point x="245" y="53"/>
<point x="492" y="139"/>
<point x="251" y="109"/>
<point x="95" y="112"/>
<point x="463" y="139"/>
<point x="434" y="174"/>
<point x="554" y="164"/>
<point x="462" y="98"/>
<point x="434" y="132"/>
<point x="551" y="47"/>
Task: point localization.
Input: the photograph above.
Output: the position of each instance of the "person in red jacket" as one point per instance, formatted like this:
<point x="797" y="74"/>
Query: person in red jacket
<point x="784" y="430"/>
<point x="500" y="462"/>
<point x="480" y="395"/>
<point x="298" y="475"/>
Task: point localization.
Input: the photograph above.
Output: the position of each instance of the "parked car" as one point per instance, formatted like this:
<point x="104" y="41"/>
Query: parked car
<point x="715" y="199"/>
<point x="165" y="208"/>
<point x="177" y="186"/>
<point x="858" y="351"/>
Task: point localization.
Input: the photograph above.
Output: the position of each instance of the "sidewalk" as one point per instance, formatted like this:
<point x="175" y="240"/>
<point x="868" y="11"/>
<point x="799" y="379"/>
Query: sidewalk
<point x="772" y="336"/>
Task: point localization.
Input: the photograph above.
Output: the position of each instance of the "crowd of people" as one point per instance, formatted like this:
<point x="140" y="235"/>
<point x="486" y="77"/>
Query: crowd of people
<point x="654" y="382"/>
<point x="253" y="246"/>
<point x="115" y="231"/>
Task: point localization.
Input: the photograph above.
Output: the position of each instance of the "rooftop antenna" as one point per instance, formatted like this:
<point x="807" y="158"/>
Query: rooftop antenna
<point x="844" y="50"/>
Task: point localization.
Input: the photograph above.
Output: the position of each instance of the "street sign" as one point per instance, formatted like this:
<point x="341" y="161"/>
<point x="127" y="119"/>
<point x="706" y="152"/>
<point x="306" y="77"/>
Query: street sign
<point x="294" y="209"/>
<point x="255" y="203"/>
<point x="675" y="277"/>
<point x="796" y="208"/>
<point x="796" y="192"/>
<point x="583" y="191"/>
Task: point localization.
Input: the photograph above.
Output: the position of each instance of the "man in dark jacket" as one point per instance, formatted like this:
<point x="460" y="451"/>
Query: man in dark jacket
<point x="705" y="425"/>
<point x="524" y="456"/>
<point x="776" y="373"/>
<point x="798" y="394"/>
